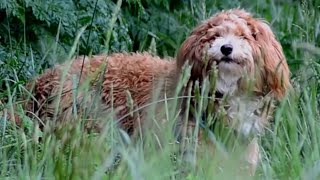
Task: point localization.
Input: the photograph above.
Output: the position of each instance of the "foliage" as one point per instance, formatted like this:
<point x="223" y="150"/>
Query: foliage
<point x="36" y="34"/>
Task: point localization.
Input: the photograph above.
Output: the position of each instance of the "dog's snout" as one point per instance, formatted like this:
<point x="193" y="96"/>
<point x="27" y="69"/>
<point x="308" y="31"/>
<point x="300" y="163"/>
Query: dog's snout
<point x="226" y="49"/>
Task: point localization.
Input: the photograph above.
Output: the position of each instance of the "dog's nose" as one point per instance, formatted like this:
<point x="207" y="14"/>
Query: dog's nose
<point x="226" y="49"/>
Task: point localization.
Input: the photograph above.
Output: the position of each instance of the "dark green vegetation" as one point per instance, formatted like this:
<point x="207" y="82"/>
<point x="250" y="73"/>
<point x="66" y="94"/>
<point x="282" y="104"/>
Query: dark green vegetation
<point x="36" y="34"/>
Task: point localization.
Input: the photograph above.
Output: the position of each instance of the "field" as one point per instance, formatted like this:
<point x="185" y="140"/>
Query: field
<point x="35" y="35"/>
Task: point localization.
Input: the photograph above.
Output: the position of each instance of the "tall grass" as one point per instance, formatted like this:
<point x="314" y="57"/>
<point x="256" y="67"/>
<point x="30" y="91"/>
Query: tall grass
<point x="290" y="146"/>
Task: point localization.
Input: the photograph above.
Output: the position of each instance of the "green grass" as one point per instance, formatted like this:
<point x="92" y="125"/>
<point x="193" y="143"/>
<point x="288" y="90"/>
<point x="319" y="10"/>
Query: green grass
<point x="290" y="147"/>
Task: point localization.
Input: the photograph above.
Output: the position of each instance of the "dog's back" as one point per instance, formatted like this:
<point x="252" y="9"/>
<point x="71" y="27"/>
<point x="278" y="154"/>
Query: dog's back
<point x="119" y="82"/>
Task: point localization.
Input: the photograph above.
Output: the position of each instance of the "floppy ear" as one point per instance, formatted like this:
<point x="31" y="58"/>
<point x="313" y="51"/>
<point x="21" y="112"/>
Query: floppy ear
<point x="276" y="75"/>
<point x="192" y="49"/>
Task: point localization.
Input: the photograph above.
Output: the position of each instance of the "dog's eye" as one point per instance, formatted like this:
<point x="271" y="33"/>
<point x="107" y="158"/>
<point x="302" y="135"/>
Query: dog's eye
<point x="243" y="36"/>
<point x="254" y="35"/>
<point x="217" y="35"/>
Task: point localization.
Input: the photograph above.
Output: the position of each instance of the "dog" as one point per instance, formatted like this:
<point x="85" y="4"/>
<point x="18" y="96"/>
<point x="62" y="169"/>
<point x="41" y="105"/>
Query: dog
<point x="252" y="69"/>
<point x="252" y="74"/>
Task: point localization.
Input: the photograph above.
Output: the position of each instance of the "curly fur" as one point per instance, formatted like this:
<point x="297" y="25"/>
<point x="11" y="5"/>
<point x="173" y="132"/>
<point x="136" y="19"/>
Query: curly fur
<point x="114" y="77"/>
<point x="256" y="57"/>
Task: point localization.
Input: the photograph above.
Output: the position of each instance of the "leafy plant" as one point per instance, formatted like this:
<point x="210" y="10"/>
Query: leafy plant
<point x="36" y="34"/>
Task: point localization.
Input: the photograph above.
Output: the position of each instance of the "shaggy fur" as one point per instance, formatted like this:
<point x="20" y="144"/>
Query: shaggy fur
<point x="252" y="72"/>
<point x="114" y="78"/>
<point x="252" y="69"/>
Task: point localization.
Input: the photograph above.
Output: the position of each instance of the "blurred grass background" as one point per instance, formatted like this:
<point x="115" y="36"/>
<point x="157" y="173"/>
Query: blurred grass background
<point x="36" y="34"/>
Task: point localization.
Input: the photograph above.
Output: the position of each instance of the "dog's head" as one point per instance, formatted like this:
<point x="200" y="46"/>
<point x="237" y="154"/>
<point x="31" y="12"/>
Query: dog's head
<point x="241" y="46"/>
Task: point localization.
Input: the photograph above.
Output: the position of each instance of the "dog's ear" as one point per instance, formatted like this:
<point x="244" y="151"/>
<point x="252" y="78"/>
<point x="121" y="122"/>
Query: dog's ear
<point x="192" y="49"/>
<point x="276" y="71"/>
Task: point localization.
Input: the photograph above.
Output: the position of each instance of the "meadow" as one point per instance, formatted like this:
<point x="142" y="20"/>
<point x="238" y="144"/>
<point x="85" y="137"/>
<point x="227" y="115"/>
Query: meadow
<point x="35" y="35"/>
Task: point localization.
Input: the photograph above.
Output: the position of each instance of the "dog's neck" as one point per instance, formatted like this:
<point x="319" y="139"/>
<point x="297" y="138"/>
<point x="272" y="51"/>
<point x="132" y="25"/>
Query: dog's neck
<point x="227" y="84"/>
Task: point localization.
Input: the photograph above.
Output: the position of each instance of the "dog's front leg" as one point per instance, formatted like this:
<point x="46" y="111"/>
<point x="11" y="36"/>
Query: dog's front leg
<point x="191" y="138"/>
<point x="252" y="156"/>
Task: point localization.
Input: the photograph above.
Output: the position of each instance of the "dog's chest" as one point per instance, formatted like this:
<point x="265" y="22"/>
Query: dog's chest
<point x="245" y="114"/>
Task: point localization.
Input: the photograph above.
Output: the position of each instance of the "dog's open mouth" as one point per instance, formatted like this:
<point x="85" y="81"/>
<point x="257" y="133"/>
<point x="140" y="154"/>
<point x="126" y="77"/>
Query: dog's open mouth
<point x="226" y="59"/>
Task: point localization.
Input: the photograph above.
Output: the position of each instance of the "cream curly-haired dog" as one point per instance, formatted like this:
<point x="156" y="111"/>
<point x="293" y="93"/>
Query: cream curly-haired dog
<point x="252" y="71"/>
